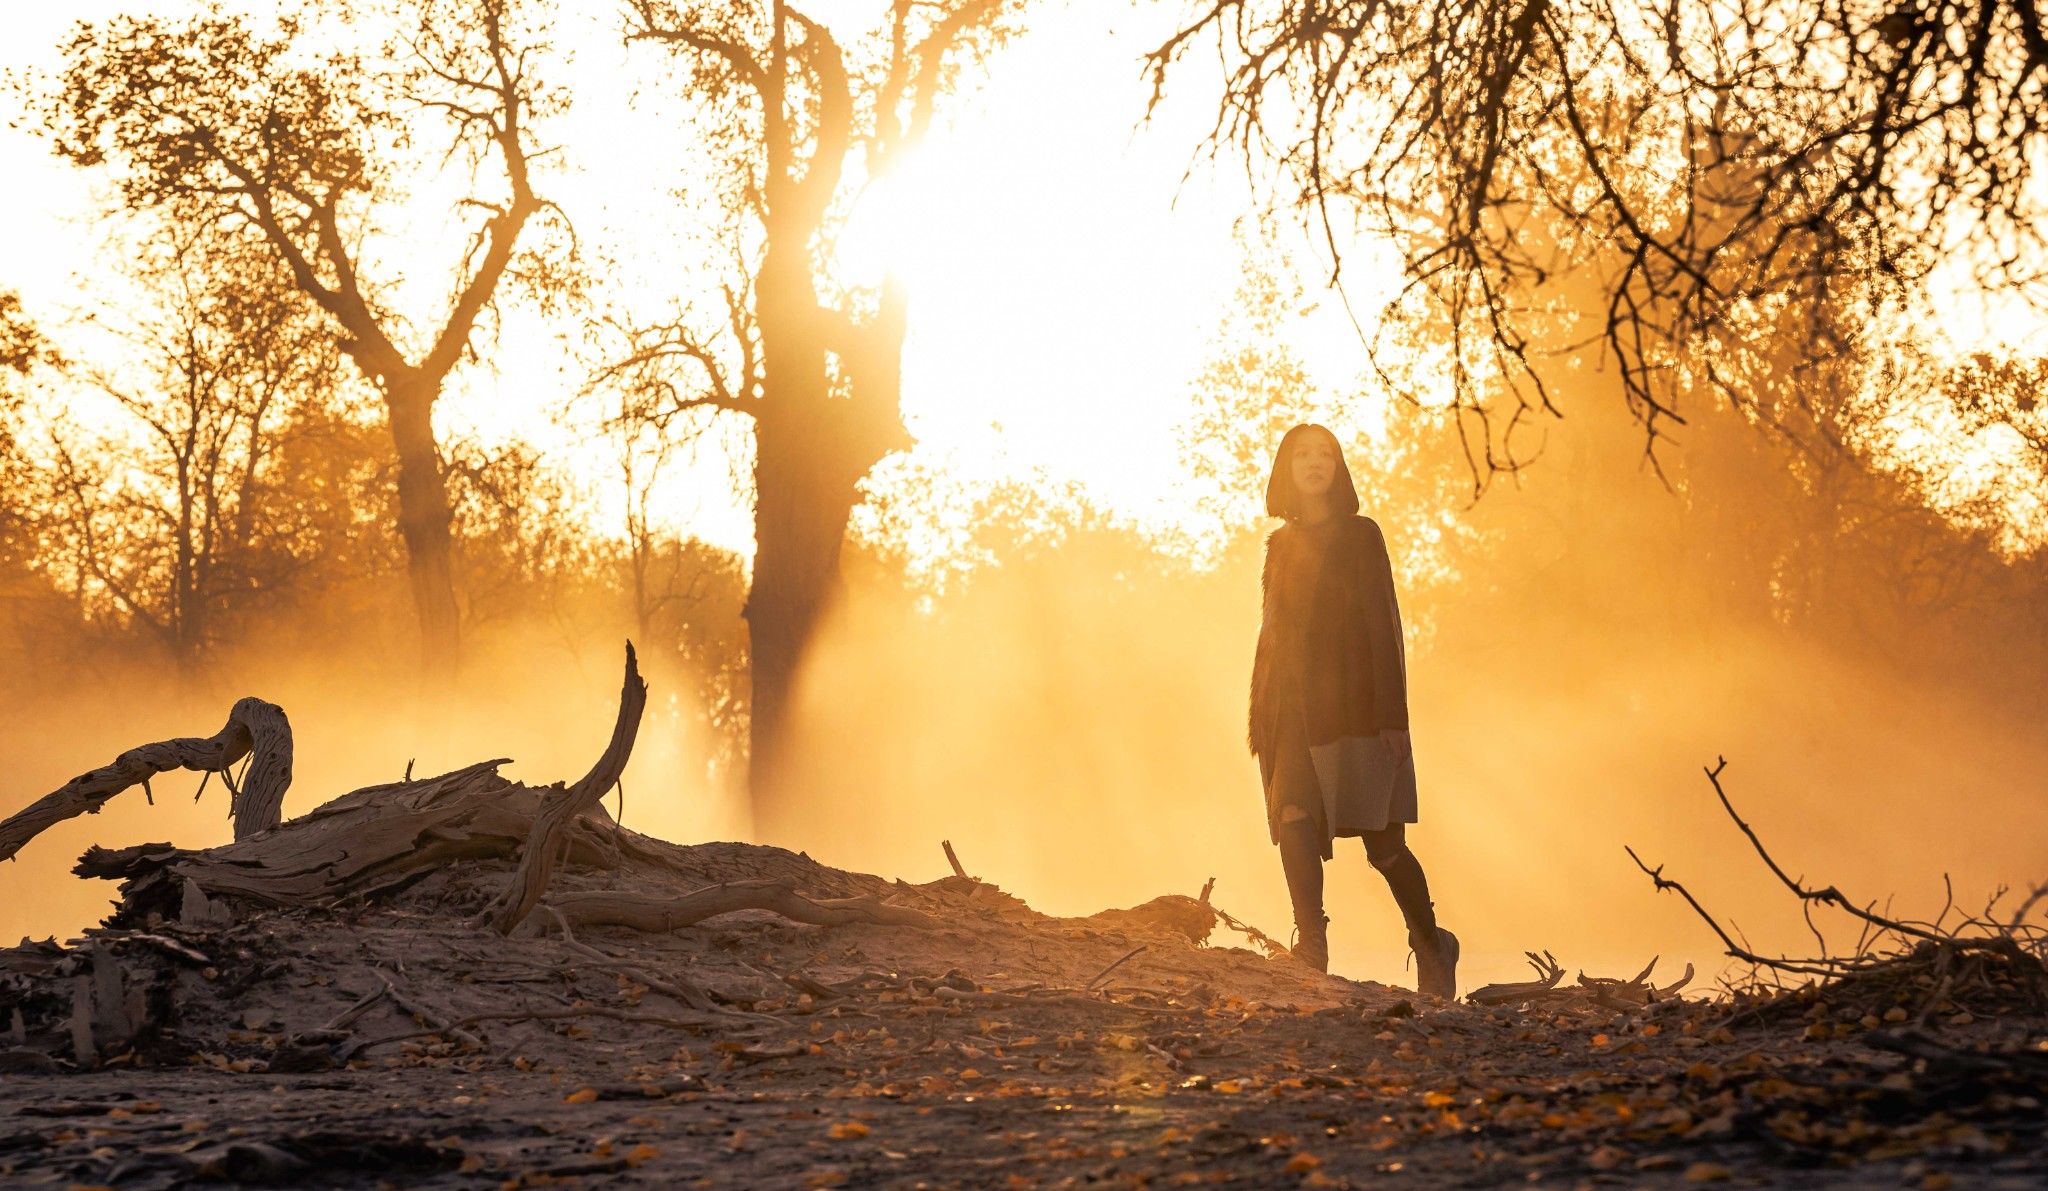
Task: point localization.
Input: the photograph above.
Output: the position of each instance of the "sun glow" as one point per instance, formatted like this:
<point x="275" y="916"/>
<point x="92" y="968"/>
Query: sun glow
<point x="1059" y="301"/>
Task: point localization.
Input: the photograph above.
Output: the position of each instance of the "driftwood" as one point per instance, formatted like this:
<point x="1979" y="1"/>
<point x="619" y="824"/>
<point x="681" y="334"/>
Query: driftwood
<point x="562" y="806"/>
<point x="1605" y="992"/>
<point x="369" y="841"/>
<point x="1548" y="973"/>
<point x="255" y="729"/>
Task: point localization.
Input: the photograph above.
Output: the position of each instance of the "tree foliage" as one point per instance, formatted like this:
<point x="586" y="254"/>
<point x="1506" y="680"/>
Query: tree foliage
<point x="177" y="516"/>
<point x="218" y="120"/>
<point x="1681" y="185"/>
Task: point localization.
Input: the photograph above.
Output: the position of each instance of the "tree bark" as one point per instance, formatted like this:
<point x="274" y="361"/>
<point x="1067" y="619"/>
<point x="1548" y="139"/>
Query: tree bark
<point x="424" y="521"/>
<point x="253" y="726"/>
<point x="801" y="507"/>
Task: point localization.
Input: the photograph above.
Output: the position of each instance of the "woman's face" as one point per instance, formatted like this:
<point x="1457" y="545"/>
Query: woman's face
<point x="1314" y="465"/>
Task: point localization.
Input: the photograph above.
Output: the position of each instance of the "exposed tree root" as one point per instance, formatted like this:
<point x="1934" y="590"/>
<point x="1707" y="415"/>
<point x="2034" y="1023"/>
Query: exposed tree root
<point x="644" y="913"/>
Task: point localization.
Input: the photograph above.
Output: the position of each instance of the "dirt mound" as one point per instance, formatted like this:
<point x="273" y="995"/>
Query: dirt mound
<point x="458" y="978"/>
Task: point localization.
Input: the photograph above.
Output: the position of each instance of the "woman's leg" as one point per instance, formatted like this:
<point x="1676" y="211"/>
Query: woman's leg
<point x="1436" y="949"/>
<point x="1301" y="855"/>
<point x="1388" y="852"/>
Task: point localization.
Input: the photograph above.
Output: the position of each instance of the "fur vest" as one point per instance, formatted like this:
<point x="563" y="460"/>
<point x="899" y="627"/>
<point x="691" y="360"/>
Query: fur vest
<point x="1332" y="633"/>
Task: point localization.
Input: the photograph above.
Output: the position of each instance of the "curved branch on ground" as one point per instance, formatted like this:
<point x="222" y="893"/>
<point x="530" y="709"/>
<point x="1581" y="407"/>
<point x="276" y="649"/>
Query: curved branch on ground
<point x="255" y="729"/>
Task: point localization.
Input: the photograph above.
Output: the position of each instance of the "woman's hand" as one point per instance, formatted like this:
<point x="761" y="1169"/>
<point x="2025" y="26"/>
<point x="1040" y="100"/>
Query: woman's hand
<point x="1397" y="740"/>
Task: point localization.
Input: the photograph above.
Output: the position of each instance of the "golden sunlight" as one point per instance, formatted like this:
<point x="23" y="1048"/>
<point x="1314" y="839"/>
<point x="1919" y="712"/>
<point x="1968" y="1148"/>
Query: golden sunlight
<point x="1141" y="708"/>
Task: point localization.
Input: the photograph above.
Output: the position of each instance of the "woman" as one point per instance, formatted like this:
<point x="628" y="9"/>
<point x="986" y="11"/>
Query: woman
<point x="1329" y="708"/>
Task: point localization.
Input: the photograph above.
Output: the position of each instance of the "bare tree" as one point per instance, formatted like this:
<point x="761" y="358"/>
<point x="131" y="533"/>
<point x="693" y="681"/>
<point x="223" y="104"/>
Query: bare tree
<point x="173" y="522"/>
<point x="1713" y="177"/>
<point x="23" y="352"/>
<point x="215" y="120"/>
<point x="803" y="117"/>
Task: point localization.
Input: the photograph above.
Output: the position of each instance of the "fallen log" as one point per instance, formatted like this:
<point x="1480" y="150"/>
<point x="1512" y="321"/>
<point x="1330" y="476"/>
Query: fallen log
<point x="255" y="729"/>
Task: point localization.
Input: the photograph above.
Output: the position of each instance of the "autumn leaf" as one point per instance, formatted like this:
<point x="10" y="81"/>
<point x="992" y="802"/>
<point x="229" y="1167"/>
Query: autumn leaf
<point x="845" y="1130"/>
<point x="580" y="1096"/>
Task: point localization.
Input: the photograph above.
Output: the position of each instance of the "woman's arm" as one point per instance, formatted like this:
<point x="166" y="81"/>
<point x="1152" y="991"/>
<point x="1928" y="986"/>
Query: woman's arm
<point x="1262" y="657"/>
<point x="1383" y="632"/>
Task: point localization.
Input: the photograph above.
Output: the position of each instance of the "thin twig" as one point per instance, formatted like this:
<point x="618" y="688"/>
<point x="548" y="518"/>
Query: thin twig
<point x="1104" y="973"/>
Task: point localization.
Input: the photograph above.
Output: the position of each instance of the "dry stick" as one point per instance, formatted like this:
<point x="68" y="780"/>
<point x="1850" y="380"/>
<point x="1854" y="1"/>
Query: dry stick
<point x="1272" y="945"/>
<point x="1207" y="888"/>
<point x="1742" y="953"/>
<point x="562" y="807"/>
<point x="953" y="859"/>
<point x="1829" y="896"/>
<point x="252" y="725"/>
<point x="429" y="1016"/>
<point x="689" y="994"/>
<point x="1104" y="973"/>
<point x="2039" y="892"/>
<point x="347" y="1017"/>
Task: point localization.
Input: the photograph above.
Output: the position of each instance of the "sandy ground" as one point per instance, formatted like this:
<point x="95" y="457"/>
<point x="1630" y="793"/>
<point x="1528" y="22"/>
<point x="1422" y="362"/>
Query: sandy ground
<point x="998" y="1049"/>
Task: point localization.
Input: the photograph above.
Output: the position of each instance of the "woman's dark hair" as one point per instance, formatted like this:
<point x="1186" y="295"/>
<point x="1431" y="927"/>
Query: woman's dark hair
<point x="1281" y="498"/>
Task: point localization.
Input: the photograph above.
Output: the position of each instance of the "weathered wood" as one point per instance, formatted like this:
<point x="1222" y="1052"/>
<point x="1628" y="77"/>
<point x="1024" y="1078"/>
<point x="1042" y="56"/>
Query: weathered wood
<point x="83" y="1049"/>
<point x="364" y="840"/>
<point x="259" y="800"/>
<point x="1548" y="973"/>
<point x="563" y="806"/>
<point x="111" y="1026"/>
<point x="641" y="912"/>
<point x="253" y="726"/>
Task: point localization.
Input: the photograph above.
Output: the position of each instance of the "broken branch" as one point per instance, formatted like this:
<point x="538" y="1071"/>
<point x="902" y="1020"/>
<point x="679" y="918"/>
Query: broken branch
<point x="537" y="864"/>
<point x="253" y="727"/>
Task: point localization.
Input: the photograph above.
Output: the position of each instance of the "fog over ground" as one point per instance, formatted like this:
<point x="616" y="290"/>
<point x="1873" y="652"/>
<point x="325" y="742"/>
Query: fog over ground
<point x="1071" y="717"/>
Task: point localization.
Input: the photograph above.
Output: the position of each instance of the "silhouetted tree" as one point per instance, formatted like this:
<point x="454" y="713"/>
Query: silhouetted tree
<point x="216" y="121"/>
<point x="1720" y="175"/>
<point x="171" y="513"/>
<point x="802" y="117"/>
<point x="23" y="352"/>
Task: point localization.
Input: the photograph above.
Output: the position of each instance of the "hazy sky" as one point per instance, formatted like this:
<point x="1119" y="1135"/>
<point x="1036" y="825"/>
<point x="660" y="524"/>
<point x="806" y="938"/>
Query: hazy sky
<point x="1063" y="277"/>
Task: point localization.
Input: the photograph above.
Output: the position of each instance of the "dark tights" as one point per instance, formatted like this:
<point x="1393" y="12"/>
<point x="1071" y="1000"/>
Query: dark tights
<point x="1301" y="854"/>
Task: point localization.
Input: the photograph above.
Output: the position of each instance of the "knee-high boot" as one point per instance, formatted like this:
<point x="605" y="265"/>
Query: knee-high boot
<point x="1436" y="949"/>
<point x="1301" y="854"/>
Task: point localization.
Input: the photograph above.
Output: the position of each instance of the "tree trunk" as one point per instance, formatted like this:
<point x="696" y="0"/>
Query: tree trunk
<point x="424" y="520"/>
<point x="804" y="496"/>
